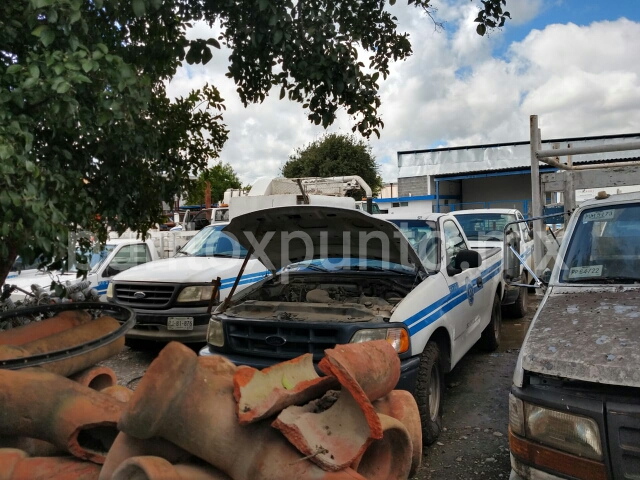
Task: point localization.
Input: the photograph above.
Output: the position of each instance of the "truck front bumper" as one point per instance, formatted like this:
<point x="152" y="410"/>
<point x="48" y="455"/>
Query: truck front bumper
<point x="408" y="367"/>
<point x="151" y="325"/>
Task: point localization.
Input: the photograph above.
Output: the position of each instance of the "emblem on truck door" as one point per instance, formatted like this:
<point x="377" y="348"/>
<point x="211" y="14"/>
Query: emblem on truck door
<point x="139" y="295"/>
<point x="470" y="293"/>
<point x="275" y="341"/>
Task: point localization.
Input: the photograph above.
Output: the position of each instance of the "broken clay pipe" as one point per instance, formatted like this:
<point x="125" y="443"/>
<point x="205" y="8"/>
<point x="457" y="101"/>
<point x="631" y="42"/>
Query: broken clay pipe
<point x="44" y="328"/>
<point x="16" y="465"/>
<point x="38" y="404"/>
<point x="157" y="468"/>
<point x="69" y="338"/>
<point x="402" y="406"/>
<point x="32" y="446"/>
<point x="97" y="377"/>
<point x="182" y="400"/>
<point x="368" y="370"/>
<point x="119" y="392"/>
<point x="261" y="394"/>
<point x="389" y="458"/>
<point x="125" y="447"/>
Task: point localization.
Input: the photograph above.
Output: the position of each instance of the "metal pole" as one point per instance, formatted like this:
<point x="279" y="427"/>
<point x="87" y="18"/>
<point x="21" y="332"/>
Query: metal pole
<point x="536" y="196"/>
<point x="437" y="196"/>
<point x="562" y="152"/>
<point x="227" y="301"/>
<point x="214" y="293"/>
<point x="569" y="190"/>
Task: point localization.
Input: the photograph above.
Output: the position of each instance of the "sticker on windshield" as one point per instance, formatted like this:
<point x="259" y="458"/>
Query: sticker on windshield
<point x="583" y="272"/>
<point x="599" y="215"/>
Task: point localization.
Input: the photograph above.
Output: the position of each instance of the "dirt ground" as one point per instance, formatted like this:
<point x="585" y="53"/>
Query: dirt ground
<point x="474" y="443"/>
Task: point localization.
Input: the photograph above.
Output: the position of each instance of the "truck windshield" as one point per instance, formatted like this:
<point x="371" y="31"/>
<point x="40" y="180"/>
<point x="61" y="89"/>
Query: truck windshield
<point x="212" y="242"/>
<point x="484" y="226"/>
<point x="604" y="246"/>
<point x="423" y="237"/>
<point x="97" y="258"/>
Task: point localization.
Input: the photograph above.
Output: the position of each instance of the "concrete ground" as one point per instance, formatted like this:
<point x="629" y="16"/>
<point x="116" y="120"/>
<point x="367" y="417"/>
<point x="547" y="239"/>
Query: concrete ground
<point x="474" y="444"/>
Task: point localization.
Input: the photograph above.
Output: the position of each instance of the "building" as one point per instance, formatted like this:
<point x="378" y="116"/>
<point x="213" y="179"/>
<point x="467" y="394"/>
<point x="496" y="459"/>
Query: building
<point x="484" y="176"/>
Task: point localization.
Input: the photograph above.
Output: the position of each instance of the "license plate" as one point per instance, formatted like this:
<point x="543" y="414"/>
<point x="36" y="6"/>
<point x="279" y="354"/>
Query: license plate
<point x="180" y="323"/>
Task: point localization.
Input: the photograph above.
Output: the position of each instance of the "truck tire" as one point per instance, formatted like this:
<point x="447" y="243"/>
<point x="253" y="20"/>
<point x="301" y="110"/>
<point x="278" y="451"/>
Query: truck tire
<point x="491" y="335"/>
<point x="429" y="393"/>
<point x="519" y="307"/>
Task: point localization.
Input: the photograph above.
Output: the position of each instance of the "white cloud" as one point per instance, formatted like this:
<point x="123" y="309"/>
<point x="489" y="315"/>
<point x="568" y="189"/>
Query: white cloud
<point x="581" y="80"/>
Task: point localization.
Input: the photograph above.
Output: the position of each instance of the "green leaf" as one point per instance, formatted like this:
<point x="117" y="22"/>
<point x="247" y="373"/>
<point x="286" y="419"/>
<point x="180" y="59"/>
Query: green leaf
<point x="139" y="7"/>
<point x="4" y="198"/>
<point x="30" y="166"/>
<point x="42" y="3"/>
<point x="277" y="36"/>
<point x="29" y="82"/>
<point x="375" y="76"/>
<point x="47" y="37"/>
<point x="213" y="42"/>
<point x="75" y="16"/>
<point x="87" y="65"/>
<point x="262" y="4"/>
<point x="63" y="87"/>
<point x="15" y="68"/>
<point x="102" y="47"/>
<point x="37" y="32"/>
<point x="481" y="29"/>
<point x="392" y="2"/>
<point x="98" y="3"/>
<point x="102" y="118"/>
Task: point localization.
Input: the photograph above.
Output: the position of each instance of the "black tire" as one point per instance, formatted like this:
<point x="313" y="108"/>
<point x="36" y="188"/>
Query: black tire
<point x="491" y="335"/>
<point x="429" y="394"/>
<point x="519" y="307"/>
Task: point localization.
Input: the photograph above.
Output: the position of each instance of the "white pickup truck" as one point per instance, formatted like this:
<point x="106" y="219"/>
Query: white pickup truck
<point x="342" y="275"/>
<point x="574" y="407"/>
<point x="485" y="230"/>
<point x="117" y="256"/>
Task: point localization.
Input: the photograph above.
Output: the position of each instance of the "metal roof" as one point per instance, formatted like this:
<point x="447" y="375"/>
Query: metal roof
<point x="502" y="156"/>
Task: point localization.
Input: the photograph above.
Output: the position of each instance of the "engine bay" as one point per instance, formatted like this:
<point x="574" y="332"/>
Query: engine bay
<point x="326" y="299"/>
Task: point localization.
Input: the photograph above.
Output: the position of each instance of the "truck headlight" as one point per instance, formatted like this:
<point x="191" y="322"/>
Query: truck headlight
<point x="564" y="431"/>
<point x="110" y="291"/>
<point x="397" y="337"/>
<point x="215" y="334"/>
<point x="196" y="293"/>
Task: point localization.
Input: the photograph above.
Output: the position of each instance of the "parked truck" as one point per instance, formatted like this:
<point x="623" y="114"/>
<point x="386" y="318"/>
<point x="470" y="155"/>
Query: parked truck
<point x="343" y="276"/>
<point x="485" y="230"/>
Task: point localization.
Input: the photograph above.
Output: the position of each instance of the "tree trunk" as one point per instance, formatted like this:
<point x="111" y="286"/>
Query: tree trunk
<point x="7" y="263"/>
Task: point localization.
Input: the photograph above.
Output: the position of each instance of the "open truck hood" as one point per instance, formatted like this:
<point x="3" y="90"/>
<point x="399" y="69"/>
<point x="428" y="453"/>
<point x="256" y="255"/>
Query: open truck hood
<point x="331" y="230"/>
<point x="588" y="337"/>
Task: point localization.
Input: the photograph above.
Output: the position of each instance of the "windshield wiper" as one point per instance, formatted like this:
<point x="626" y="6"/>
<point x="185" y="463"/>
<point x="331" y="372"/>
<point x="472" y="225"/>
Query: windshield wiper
<point x="608" y="280"/>
<point x="309" y="266"/>
<point x="183" y="253"/>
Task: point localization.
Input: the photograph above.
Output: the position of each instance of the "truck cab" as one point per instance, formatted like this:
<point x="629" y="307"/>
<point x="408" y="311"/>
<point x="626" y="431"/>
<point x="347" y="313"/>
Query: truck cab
<point x="485" y="230"/>
<point x="340" y="275"/>
<point x="574" y="407"/>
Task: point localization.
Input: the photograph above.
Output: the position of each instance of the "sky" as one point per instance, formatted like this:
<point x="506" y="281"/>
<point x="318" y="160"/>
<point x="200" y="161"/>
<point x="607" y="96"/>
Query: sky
<point x="571" y="62"/>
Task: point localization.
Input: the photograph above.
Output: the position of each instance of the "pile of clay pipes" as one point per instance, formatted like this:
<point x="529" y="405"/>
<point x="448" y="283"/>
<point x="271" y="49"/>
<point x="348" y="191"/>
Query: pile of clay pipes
<point x="201" y="417"/>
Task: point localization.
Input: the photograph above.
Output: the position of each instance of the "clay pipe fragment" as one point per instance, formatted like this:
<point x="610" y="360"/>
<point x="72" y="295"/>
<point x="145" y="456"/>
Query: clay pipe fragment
<point x="38" y="404"/>
<point x="157" y="468"/>
<point x="32" y="446"/>
<point x="189" y="405"/>
<point x="126" y="447"/>
<point x="69" y="338"/>
<point x="97" y="378"/>
<point x="16" y="465"/>
<point x="119" y="392"/>
<point x="37" y="330"/>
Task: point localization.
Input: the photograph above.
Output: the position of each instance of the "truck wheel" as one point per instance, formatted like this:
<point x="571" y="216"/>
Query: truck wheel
<point x="430" y="392"/>
<point x="491" y="335"/>
<point x="519" y="307"/>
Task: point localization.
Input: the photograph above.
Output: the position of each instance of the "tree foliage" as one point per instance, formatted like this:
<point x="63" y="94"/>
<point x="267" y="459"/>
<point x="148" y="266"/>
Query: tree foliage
<point x="335" y="155"/>
<point x="88" y="136"/>
<point x="221" y="177"/>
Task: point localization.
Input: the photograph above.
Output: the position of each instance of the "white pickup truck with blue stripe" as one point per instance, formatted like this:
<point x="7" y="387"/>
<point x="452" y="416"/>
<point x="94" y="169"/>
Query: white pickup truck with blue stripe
<point x="344" y="276"/>
<point x="171" y="296"/>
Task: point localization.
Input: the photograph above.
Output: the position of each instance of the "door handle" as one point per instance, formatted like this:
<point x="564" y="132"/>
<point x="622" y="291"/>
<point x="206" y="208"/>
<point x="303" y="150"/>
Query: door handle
<point x="479" y="282"/>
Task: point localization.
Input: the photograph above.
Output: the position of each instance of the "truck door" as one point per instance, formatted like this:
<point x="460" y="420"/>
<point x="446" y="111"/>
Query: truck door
<point x="465" y="312"/>
<point x="126" y="257"/>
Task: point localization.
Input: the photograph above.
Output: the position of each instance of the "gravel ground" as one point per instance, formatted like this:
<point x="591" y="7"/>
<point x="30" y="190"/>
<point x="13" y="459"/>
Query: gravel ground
<point x="474" y="443"/>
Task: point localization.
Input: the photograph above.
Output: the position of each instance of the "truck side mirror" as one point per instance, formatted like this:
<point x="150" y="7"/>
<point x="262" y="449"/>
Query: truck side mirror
<point x="463" y="260"/>
<point x="511" y="261"/>
<point x="546" y="275"/>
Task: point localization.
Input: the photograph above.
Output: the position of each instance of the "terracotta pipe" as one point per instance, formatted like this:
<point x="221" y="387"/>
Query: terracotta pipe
<point x="261" y="394"/>
<point x="389" y="458"/>
<point x="119" y="392"/>
<point x="16" y="465"/>
<point x="402" y="406"/>
<point x="36" y="330"/>
<point x="157" y="468"/>
<point x="368" y="370"/>
<point x="126" y="446"/>
<point x="32" y="446"/>
<point x="181" y="401"/>
<point x="97" y="378"/>
<point x="39" y="404"/>
<point x="69" y="338"/>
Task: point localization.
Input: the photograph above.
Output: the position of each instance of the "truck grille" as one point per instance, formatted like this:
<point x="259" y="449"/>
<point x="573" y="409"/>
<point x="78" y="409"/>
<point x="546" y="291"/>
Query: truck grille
<point x="154" y="295"/>
<point x="268" y="340"/>
<point x="624" y="436"/>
